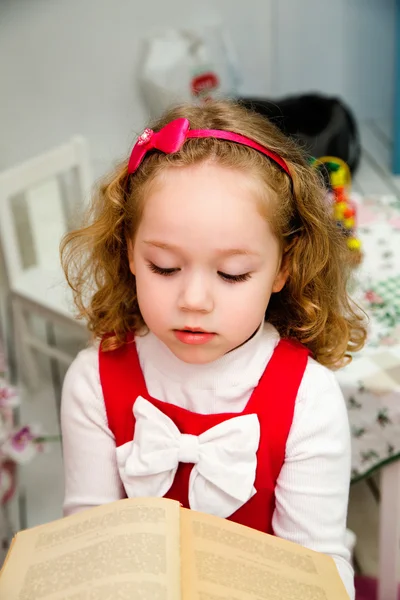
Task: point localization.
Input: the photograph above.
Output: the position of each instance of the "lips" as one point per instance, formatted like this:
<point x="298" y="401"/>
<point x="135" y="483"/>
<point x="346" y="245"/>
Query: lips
<point x="194" y="330"/>
<point x="193" y="335"/>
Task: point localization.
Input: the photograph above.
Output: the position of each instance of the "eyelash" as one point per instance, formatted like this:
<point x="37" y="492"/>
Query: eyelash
<point x="161" y="271"/>
<point x="234" y="278"/>
<point x="224" y="276"/>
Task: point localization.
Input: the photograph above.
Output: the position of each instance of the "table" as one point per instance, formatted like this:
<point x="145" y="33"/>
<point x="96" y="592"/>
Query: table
<point x="371" y="383"/>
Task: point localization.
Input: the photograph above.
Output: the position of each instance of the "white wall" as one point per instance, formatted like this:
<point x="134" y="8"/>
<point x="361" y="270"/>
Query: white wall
<point x="343" y="47"/>
<point x="69" y="66"/>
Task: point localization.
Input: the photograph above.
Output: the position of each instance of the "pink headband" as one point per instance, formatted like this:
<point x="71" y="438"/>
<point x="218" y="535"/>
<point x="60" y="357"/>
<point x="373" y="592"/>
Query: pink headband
<point x="171" y="138"/>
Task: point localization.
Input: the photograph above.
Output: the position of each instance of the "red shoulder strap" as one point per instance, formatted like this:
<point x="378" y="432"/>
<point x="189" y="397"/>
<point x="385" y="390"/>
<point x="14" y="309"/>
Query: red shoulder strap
<point x="121" y="390"/>
<point x="274" y="400"/>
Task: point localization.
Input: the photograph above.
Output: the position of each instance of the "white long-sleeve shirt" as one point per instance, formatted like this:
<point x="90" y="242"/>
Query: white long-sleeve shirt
<point x="312" y="488"/>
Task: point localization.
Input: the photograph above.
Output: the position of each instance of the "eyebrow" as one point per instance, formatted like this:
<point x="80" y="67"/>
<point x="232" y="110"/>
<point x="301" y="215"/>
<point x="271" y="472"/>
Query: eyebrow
<point x="220" y="251"/>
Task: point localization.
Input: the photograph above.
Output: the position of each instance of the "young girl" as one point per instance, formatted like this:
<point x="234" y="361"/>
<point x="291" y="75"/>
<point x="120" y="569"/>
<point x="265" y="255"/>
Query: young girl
<point x="214" y="278"/>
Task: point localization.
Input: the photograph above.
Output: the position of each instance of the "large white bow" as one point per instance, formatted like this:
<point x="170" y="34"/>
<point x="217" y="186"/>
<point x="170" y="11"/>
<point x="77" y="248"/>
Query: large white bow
<point x="224" y="459"/>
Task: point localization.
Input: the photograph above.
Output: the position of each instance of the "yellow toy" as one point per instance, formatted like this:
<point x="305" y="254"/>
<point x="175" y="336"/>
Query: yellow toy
<point x="344" y="210"/>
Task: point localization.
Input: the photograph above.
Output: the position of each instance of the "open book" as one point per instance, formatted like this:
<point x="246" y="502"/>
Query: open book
<point x="152" y="549"/>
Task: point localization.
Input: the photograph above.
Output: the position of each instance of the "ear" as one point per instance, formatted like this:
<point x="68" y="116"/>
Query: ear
<point x="280" y="280"/>
<point x="281" y="277"/>
<point x="129" y="244"/>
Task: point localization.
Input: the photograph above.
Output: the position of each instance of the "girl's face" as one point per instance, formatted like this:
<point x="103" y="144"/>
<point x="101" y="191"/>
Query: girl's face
<point x="205" y="261"/>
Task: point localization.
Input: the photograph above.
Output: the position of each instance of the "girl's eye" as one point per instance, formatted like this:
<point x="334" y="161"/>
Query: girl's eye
<point x="224" y="276"/>
<point x="161" y="271"/>
<point x="234" y="278"/>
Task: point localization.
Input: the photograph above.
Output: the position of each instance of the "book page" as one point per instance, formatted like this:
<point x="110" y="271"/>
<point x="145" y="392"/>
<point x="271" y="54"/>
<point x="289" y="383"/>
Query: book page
<point x="225" y="561"/>
<point x="119" y="551"/>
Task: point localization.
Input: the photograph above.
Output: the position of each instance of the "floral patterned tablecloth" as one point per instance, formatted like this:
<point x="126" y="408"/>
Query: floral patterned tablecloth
<point x="371" y="383"/>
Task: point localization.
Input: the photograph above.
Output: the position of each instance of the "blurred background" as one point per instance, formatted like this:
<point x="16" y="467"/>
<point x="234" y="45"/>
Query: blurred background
<point x="73" y="67"/>
<point x="94" y="72"/>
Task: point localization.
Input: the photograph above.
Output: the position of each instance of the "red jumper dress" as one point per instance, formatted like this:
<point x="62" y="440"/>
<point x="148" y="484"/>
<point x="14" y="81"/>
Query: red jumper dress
<point x="273" y="400"/>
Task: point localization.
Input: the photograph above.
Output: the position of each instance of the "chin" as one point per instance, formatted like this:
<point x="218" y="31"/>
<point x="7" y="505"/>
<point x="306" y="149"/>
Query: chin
<point x="196" y="356"/>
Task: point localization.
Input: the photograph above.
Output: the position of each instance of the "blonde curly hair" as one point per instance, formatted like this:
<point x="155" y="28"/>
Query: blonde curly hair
<point x="313" y="307"/>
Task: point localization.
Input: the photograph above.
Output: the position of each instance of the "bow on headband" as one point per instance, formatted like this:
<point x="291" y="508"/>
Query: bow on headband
<point x="172" y="136"/>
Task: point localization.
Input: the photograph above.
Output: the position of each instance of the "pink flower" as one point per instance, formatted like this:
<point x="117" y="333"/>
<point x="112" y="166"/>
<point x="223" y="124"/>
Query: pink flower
<point x="22" y="438"/>
<point x="8" y="396"/>
<point x="373" y="297"/>
<point x="20" y="446"/>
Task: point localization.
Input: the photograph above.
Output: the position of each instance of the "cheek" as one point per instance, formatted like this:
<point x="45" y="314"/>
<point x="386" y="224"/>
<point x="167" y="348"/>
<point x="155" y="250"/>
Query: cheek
<point x="151" y="303"/>
<point x="250" y="297"/>
<point x="154" y="297"/>
<point x="144" y="287"/>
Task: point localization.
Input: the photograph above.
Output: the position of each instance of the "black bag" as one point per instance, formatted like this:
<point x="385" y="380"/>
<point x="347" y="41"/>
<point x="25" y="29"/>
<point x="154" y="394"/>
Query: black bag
<point x="323" y="126"/>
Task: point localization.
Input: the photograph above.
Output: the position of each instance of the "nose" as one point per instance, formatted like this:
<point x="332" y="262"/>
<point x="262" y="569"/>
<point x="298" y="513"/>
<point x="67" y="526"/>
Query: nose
<point x="196" y="294"/>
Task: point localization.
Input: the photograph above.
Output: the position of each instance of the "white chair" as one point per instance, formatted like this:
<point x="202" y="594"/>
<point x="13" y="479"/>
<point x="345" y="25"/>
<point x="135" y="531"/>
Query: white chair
<point x="39" y="200"/>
